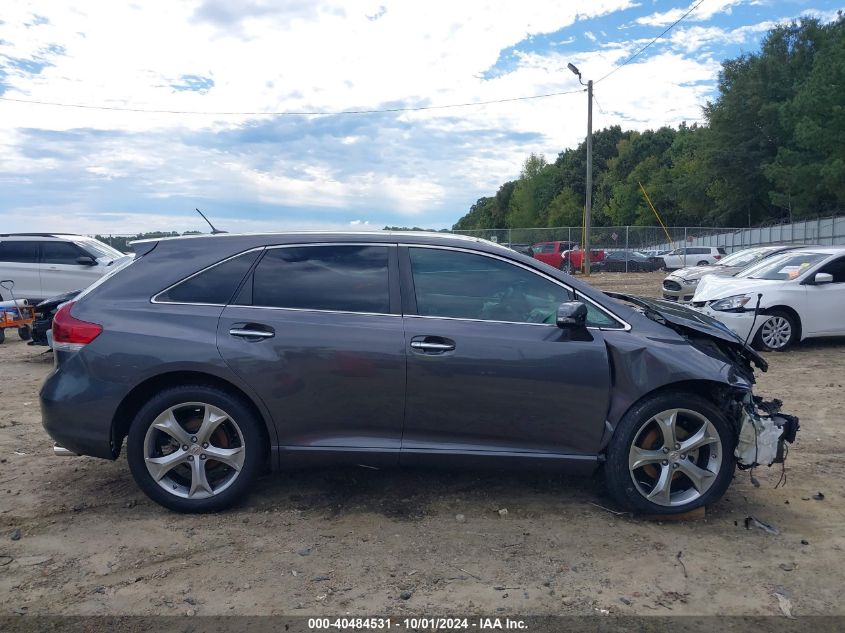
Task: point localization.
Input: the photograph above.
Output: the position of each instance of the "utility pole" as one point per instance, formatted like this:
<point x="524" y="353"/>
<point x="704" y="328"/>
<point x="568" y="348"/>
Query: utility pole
<point x="588" y="209"/>
<point x="589" y="213"/>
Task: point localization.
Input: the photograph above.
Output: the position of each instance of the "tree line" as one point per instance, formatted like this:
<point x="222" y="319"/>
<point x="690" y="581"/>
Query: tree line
<point x="772" y="149"/>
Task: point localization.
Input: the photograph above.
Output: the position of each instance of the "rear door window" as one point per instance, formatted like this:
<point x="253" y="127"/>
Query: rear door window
<point x="19" y="252"/>
<point x="214" y="285"/>
<point x="341" y="278"/>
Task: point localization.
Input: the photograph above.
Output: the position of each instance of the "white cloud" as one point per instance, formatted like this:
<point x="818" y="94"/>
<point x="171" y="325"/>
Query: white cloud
<point x="294" y="55"/>
<point x="704" y="12"/>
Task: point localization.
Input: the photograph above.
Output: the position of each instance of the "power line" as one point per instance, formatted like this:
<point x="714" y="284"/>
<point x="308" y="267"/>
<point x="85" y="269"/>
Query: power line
<point x="85" y="106"/>
<point x="643" y="49"/>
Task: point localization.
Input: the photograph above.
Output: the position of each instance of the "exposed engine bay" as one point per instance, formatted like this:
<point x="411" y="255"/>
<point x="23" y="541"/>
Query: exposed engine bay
<point x="763" y="432"/>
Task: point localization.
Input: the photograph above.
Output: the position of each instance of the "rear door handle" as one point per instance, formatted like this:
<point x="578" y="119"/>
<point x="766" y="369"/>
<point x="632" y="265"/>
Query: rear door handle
<point x="252" y="332"/>
<point x="432" y="344"/>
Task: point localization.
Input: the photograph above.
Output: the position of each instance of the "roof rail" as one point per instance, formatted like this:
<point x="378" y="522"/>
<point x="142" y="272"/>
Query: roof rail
<point x="34" y="234"/>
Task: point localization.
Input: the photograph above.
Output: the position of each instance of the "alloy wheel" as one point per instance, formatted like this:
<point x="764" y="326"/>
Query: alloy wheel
<point x="675" y="457"/>
<point x="776" y="332"/>
<point x="194" y="450"/>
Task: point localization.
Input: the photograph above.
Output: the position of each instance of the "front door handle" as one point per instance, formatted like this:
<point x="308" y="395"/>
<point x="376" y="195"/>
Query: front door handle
<point x="432" y="344"/>
<point x="250" y="331"/>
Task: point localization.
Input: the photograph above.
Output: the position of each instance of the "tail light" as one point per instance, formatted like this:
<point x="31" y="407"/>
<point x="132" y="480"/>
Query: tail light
<point x="717" y="257"/>
<point x="71" y="334"/>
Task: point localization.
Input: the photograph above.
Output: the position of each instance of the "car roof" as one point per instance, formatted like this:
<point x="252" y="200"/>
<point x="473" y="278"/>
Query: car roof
<point x="327" y="234"/>
<point x="266" y="239"/>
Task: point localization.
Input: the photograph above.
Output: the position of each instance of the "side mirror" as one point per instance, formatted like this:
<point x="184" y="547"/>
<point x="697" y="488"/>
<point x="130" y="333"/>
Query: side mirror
<point x="823" y="278"/>
<point x="86" y="260"/>
<point x="571" y="315"/>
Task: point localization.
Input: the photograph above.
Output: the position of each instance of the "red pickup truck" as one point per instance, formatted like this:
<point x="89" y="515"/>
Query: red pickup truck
<point x="567" y="256"/>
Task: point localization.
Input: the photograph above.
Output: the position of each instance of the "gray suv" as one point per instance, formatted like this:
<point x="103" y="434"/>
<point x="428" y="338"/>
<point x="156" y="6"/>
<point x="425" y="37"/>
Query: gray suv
<point x="216" y="357"/>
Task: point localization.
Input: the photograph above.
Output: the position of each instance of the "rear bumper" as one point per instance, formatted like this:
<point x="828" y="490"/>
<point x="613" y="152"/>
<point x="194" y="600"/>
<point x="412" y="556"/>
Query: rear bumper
<point x="77" y="411"/>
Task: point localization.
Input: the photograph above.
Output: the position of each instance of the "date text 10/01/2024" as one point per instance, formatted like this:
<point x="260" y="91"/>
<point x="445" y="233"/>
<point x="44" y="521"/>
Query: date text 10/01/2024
<point x="418" y="623"/>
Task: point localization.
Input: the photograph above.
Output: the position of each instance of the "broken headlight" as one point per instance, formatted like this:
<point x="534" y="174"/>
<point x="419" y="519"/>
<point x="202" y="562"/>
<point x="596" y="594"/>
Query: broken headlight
<point x="736" y="302"/>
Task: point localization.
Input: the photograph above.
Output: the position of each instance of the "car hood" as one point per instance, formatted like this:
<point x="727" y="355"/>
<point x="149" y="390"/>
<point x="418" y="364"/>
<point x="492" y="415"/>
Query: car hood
<point x="690" y="319"/>
<point x="697" y="272"/>
<point x="715" y="287"/>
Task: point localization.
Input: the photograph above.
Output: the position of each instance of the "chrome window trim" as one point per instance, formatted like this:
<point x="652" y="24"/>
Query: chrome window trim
<point x="155" y="297"/>
<point x="625" y="325"/>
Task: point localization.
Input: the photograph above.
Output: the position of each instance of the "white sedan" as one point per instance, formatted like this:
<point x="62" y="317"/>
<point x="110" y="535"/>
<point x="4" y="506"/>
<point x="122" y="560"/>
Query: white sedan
<point x="801" y="295"/>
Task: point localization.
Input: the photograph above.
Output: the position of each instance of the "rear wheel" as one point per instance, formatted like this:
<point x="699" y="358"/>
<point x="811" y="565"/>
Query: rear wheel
<point x="703" y="262"/>
<point x="2" y="335"/>
<point x="195" y="448"/>
<point x="778" y="333"/>
<point x="670" y="454"/>
<point x="25" y="332"/>
<point x="566" y="267"/>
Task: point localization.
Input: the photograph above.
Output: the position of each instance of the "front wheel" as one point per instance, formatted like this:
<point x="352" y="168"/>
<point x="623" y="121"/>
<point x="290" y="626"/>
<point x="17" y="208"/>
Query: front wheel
<point x="195" y="448"/>
<point x="670" y="454"/>
<point x="25" y="332"/>
<point x="778" y="333"/>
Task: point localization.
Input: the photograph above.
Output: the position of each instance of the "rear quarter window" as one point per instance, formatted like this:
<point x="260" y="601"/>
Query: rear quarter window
<point x="214" y="285"/>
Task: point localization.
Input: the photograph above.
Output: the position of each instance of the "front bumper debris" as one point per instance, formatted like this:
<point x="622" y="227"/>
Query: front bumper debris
<point x="762" y="433"/>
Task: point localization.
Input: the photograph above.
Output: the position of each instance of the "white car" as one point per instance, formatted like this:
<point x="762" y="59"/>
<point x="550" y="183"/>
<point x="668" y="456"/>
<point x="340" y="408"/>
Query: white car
<point x="801" y="295"/>
<point x="43" y="265"/>
<point x="692" y="256"/>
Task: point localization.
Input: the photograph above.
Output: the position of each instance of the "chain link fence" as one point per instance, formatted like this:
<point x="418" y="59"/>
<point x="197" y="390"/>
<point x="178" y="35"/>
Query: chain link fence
<point x="820" y="231"/>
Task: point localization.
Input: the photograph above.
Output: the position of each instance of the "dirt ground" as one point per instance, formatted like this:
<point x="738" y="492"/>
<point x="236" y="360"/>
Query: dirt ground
<point x="78" y="537"/>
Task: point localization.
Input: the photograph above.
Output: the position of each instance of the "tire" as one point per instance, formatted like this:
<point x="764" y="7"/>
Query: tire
<point x="703" y="263"/>
<point x="25" y="332"/>
<point x="778" y="332"/>
<point x="2" y="335"/>
<point x="185" y="482"/>
<point x="710" y="463"/>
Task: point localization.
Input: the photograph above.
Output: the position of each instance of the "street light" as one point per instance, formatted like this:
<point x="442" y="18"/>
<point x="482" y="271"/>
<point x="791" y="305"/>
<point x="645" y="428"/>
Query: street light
<point x="589" y="184"/>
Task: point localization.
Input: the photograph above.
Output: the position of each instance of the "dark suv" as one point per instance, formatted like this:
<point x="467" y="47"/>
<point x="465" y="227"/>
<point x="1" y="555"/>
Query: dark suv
<point x="217" y="356"/>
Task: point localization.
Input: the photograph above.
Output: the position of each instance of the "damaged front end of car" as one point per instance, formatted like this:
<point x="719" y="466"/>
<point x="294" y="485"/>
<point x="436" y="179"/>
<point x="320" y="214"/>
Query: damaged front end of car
<point x="762" y="429"/>
<point x="763" y="432"/>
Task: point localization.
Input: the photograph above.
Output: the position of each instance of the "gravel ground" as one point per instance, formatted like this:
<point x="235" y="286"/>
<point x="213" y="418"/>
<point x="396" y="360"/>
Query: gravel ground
<point x="77" y="536"/>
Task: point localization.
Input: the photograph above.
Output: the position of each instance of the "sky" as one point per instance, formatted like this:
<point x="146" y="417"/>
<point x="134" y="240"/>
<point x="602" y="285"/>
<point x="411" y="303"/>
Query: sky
<point x="228" y="74"/>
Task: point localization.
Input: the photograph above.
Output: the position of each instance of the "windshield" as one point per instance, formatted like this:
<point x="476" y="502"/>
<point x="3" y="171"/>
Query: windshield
<point x="784" y="267"/>
<point x="98" y="249"/>
<point x="744" y="258"/>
